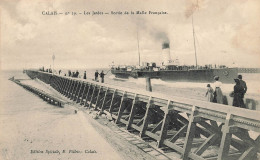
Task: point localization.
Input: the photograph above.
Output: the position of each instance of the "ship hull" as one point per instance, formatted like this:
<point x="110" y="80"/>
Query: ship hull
<point x="226" y="75"/>
<point x="121" y="74"/>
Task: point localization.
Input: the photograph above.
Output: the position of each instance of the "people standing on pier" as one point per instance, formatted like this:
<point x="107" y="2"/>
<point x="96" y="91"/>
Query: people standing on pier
<point x="218" y="96"/>
<point x="77" y="74"/>
<point x="96" y="75"/>
<point x="85" y="75"/>
<point x="59" y="72"/>
<point x="238" y="94"/>
<point x="209" y="93"/>
<point x="243" y="84"/>
<point x="102" y="76"/>
<point x="69" y="73"/>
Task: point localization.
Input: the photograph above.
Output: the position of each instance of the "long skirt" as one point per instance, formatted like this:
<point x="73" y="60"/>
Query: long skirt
<point x="218" y="96"/>
<point x="238" y="100"/>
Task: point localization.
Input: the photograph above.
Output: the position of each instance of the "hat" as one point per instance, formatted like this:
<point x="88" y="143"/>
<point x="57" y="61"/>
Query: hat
<point x="236" y="79"/>
<point x="216" y="77"/>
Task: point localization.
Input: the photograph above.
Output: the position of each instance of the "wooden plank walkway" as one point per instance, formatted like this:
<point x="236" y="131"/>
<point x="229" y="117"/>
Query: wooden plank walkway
<point x="190" y="127"/>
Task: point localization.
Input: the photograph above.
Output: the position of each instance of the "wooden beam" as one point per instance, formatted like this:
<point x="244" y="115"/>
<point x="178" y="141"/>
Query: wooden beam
<point x="111" y="104"/>
<point x="226" y="139"/>
<point x="190" y="134"/>
<point x="164" y="128"/>
<point x="89" y="86"/>
<point x="146" y="118"/>
<point x="103" y="102"/>
<point x="121" y="109"/>
<point x="98" y="97"/>
<point x="132" y="113"/>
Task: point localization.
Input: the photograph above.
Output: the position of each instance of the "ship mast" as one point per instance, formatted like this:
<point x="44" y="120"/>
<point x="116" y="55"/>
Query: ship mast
<point x="194" y="43"/>
<point x="138" y="48"/>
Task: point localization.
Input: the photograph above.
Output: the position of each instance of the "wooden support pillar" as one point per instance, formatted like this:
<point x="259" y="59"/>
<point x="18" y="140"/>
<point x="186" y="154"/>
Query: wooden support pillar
<point x="57" y="83"/>
<point x="63" y="86"/>
<point x="66" y="86"/>
<point x="146" y="118"/>
<point x="148" y="84"/>
<point x="93" y="93"/>
<point x="103" y="103"/>
<point x="250" y="153"/>
<point x="226" y="139"/>
<point x="132" y="113"/>
<point x="165" y="123"/>
<point x="98" y="97"/>
<point x="74" y="90"/>
<point x="89" y="86"/>
<point x="60" y="84"/>
<point x="78" y="93"/>
<point x="111" y="104"/>
<point x="189" y="134"/>
<point x="121" y="109"/>
<point x="81" y="94"/>
<point x="69" y="87"/>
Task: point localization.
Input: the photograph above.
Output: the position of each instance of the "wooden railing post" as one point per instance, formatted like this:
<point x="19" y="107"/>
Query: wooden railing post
<point x="146" y="118"/>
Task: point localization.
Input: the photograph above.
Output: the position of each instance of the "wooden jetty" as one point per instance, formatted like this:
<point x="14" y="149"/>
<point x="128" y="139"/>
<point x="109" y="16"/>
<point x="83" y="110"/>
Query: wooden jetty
<point x="189" y="127"/>
<point x="45" y="96"/>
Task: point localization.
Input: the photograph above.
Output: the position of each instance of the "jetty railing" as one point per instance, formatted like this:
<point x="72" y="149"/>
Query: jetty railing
<point x="195" y="129"/>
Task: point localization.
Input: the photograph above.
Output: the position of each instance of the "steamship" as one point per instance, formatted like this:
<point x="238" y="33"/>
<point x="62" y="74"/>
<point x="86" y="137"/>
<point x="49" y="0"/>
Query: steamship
<point x="170" y="71"/>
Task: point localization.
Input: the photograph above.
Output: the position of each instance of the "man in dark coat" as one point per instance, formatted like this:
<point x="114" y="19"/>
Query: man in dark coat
<point x="238" y="95"/>
<point x="77" y="74"/>
<point x="243" y="85"/>
<point x="96" y="75"/>
<point x="102" y="76"/>
<point x="85" y="75"/>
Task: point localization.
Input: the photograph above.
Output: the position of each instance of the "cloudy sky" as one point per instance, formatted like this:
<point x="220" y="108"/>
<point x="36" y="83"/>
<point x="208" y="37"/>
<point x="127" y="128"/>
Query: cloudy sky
<point x="226" y="32"/>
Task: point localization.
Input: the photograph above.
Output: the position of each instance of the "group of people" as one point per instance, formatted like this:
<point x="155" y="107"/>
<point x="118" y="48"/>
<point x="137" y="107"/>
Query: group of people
<point x="73" y="74"/>
<point x="102" y="76"/>
<point x="76" y="74"/>
<point x="216" y="95"/>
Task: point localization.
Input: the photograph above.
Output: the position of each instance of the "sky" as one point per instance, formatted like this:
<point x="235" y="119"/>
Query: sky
<point x="226" y="32"/>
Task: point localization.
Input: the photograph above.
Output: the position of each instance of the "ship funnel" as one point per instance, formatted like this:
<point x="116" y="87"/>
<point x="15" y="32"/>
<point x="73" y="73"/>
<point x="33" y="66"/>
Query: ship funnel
<point x="166" y="54"/>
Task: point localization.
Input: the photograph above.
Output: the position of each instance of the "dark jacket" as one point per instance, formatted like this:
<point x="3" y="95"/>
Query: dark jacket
<point x="238" y="96"/>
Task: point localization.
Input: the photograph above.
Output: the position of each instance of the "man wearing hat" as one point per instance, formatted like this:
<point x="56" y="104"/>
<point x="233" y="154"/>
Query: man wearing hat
<point x="242" y="83"/>
<point x="238" y="94"/>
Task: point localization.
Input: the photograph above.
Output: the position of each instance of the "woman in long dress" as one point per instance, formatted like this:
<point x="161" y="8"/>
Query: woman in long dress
<point x="238" y="95"/>
<point x="218" y="96"/>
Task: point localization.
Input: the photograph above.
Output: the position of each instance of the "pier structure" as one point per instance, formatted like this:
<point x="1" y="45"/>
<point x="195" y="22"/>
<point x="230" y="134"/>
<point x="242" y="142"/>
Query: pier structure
<point x="42" y="94"/>
<point x="194" y="129"/>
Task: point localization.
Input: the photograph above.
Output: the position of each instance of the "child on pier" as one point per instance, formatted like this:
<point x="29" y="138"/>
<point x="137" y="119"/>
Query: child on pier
<point x="209" y="93"/>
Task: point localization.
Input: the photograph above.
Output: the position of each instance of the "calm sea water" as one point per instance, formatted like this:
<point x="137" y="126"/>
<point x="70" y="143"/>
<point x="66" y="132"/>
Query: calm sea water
<point x="185" y="89"/>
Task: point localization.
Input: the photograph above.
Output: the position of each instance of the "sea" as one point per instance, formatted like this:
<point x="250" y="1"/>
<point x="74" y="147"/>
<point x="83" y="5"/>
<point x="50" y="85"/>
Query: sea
<point x="183" y="89"/>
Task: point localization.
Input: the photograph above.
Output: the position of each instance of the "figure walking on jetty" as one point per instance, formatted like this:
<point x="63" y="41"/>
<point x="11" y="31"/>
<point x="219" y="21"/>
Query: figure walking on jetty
<point x="102" y="76"/>
<point x="209" y="93"/>
<point x="238" y="94"/>
<point x="96" y="75"/>
<point x="243" y="85"/>
<point x="85" y="75"/>
<point x="218" y="96"/>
